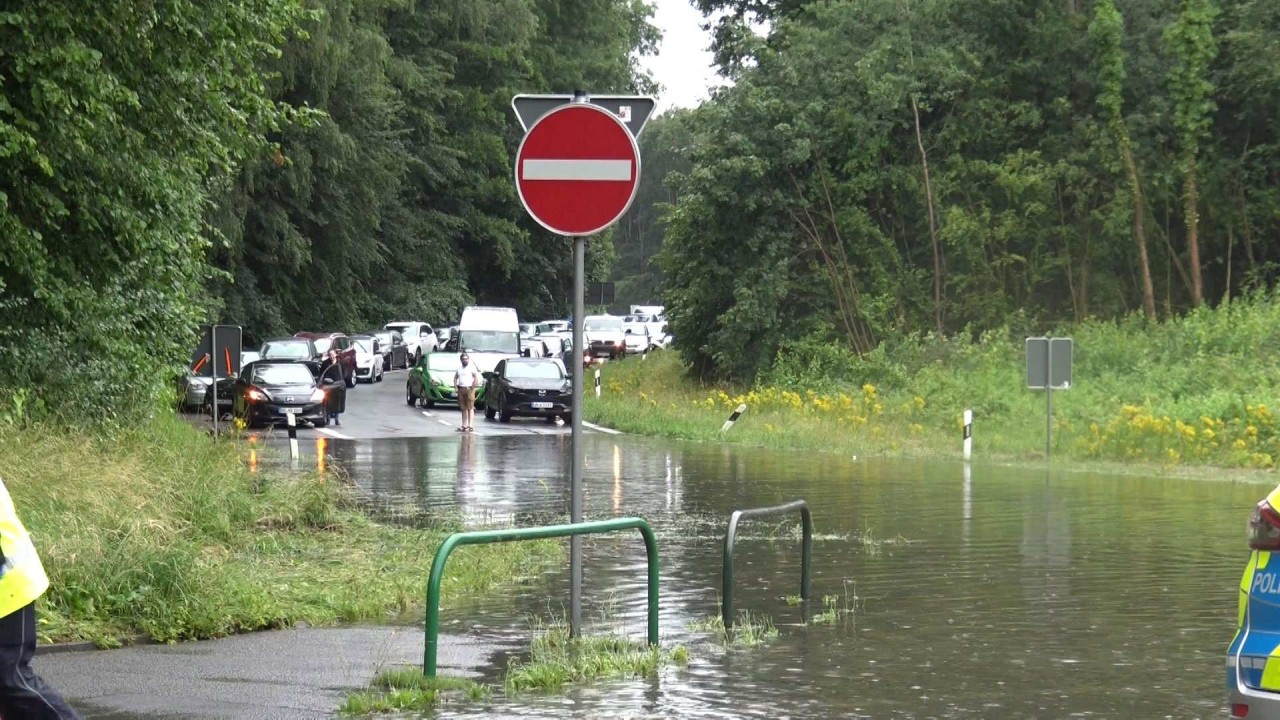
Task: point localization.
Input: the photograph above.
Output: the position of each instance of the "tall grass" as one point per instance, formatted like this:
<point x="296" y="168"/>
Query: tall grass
<point x="163" y="531"/>
<point x="1199" y="389"/>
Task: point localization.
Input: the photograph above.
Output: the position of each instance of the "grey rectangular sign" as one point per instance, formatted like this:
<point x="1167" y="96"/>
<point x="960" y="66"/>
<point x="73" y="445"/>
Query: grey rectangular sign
<point x="1049" y="363"/>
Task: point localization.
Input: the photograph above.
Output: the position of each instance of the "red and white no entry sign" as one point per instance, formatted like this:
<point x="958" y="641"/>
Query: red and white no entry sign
<point x="577" y="169"/>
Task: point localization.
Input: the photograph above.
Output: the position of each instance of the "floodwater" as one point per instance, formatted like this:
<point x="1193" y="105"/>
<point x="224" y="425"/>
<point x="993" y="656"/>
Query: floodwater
<point x="995" y="592"/>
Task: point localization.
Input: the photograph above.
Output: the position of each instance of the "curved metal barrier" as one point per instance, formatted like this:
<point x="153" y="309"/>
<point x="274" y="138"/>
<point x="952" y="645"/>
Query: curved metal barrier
<point x="726" y="572"/>
<point x="484" y="537"/>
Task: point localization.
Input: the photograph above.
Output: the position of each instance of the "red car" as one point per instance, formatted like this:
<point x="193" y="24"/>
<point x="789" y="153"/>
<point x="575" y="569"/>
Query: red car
<point x="335" y="341"/>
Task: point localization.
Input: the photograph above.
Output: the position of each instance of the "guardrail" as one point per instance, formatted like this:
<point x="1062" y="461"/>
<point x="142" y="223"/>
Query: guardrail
<point x="484" y="537"/>
<point x="726" y="572"/>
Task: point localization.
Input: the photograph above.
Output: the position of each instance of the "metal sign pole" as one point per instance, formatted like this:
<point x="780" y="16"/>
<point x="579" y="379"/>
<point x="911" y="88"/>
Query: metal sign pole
<point x="1048" y="400"/>
<point x="213" y="370"/>
<point x="575" y="477"/>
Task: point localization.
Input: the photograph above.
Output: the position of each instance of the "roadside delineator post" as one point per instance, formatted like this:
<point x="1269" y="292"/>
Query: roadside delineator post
<point x="597" y="382"/>
<point x="737" y="413"/>
<point x="968" y="434"/>
<point x="293" y="436"/>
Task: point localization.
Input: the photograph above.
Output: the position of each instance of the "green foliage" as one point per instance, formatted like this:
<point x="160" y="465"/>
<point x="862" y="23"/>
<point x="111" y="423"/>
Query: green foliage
<point x="1143" y="391"/>
<point x="555" y="660"/>
<point x="1062" y="140"/>
<point x="409" y="689"/>
<point x="109" y="142"/>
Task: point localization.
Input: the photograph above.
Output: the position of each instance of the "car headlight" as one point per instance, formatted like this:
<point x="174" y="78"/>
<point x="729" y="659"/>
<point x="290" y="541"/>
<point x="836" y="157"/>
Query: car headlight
<point x="255" y="394"/>
<point x="317" y="396"/>
<point x="436" y="383"/>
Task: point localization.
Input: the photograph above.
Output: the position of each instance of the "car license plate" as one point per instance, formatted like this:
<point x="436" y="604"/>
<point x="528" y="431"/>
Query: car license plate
<point x="541" y="405"/>
<point x="292" y="410"/>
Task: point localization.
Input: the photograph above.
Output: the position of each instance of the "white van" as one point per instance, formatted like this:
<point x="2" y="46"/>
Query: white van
<point x="604" y="335"/>
<point x="488" y="335"/>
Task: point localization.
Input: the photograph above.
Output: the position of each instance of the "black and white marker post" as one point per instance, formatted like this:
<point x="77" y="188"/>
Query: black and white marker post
<point x="968" y="434"/>
<point x="577" y="171"/>
<point x="293" y="436"/>
<point x="597" y="382"/>
<point x="737" y="413"/>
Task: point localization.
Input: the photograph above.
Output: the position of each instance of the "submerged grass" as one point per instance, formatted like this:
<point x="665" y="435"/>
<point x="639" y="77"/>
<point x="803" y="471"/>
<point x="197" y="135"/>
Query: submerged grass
<point x="554" y="660"/>
<point x="165" y="532"/>
<point x="1188" y="392"/>
<point x="749" y="629"/>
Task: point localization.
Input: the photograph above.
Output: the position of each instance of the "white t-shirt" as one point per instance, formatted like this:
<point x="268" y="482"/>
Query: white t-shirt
<point x="466" y="376"/>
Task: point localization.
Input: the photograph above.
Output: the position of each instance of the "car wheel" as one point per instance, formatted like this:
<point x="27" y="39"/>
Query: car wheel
<point x="350" y="380"/>
<point x="381" y="373"/>
<point x="409" y="398"/>
<point x="504" y="414"/>
<point x="489" y="414"/>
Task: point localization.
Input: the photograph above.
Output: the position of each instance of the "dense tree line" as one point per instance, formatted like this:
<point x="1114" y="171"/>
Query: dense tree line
<point x="881" y="167"/>
<point x="279" y="164"/>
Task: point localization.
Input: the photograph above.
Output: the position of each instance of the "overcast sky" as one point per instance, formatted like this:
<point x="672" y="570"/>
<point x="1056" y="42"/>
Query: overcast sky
<point x="683" y="63"/>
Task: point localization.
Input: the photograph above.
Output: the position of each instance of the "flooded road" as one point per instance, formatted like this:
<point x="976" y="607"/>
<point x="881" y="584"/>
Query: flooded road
<point x="1004" y="592"/>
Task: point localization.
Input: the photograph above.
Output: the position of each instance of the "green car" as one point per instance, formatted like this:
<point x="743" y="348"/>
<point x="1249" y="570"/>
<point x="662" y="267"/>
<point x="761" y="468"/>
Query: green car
<point x="431" y="380"/>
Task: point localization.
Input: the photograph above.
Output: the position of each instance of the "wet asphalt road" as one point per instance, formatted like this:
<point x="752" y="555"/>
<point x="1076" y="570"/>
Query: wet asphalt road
<point x="379" y="410"/>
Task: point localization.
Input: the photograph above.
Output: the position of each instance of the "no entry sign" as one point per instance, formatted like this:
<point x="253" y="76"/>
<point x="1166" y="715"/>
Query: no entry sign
<point x="577" y="169"/>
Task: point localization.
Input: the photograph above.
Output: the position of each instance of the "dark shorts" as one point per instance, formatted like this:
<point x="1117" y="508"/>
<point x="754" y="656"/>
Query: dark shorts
<point x="467" y="398"/>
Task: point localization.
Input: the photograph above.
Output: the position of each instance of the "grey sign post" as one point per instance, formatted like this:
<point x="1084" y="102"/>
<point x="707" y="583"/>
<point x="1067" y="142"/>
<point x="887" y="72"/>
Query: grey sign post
<point x="632" y="112"/>
<point x="1048" y="369"/>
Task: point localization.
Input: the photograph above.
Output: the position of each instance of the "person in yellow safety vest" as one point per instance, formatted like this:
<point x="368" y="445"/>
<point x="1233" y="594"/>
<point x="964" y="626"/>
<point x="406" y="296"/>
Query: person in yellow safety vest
<point x="23" y="695"/>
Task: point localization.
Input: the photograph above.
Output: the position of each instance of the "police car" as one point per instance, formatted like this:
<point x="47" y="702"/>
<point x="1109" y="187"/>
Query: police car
<point x="1253" y="661"/>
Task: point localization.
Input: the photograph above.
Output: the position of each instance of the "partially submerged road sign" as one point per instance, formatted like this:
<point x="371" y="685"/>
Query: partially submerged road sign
<point x="632" y="110"/>
<point x="577" y="169"/>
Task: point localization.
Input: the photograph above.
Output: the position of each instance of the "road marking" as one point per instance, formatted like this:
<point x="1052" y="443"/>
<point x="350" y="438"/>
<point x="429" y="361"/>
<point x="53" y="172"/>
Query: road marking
<point x="577" y="169"/>
<point x="443" y="422"/>
<point x="424" y="412"/>
<point x="335" y="434"/>
<point x="600" y="428"/>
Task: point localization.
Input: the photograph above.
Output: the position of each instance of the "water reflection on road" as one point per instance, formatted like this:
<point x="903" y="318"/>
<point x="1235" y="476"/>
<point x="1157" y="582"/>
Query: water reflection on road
<point x="993" y="593"/>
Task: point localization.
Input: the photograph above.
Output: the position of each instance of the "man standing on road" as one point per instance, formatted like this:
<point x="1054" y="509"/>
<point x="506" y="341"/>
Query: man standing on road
<point x="464" y="382"/>
<point x="23" y="695"/>
<point x="335" y="394"/>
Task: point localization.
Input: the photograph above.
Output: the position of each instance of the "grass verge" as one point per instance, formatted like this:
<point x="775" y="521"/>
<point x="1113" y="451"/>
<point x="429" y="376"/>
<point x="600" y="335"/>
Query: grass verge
<point x="409" y="689"/>
<point x="165" y="532"/>
<point x="1189" y="392"/>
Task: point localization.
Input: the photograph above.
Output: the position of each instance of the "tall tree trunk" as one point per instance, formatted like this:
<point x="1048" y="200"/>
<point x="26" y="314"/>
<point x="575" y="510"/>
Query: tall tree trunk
<point x="1139" y="230"/>
<point x="933" y="221"/>
<point x="1193" y="232"/>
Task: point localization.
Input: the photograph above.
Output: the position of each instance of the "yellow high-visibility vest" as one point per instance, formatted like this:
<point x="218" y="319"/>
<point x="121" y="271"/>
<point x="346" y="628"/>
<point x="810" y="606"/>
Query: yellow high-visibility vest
<point x="22" y="577"/>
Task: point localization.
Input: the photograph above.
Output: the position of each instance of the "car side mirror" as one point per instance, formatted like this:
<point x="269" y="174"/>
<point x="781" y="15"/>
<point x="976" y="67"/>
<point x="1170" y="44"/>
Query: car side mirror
<point x="628" y="331"/>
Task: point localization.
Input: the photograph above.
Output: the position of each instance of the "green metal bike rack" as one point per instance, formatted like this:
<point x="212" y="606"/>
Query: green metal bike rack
<point x="726" y="572"/>
<point x="484" y="537"/>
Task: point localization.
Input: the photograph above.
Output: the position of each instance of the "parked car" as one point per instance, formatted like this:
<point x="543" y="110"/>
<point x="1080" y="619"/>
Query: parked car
<point x="431" y="380"/>
<point x="290" y="348"/>
<point x="532" y="347"/>
<point x="603" y="335"/>
<point x="419" y="338"/>
<point x="269" y="391"/>
<point x="443" y="335"/>
<point x="637" y="340"/>
<point x="248" y="356"/>
<point x="1253" y="690"/>
<point x="488" y="335"/>
<point x="369" y="360"/>
<point x="395" y="354"/>
<point x="550" y="326"/>
<point x="528" y="386"/>
<point x="342" y="344"/>
<point x="192" y="388"/>
<point x="528" y="330"/>
<point x="554" y="344"/>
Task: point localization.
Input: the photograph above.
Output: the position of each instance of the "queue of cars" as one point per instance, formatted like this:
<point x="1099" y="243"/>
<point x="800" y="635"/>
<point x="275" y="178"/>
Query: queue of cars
<point x="523" y="365"/>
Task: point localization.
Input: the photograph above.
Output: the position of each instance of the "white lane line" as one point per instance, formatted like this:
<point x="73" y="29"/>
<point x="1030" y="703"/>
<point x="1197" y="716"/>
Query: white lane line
<point x="577" y="169"/>
<point x="600" y="428"/>
<point x="335" y="434"/>
<point x="424" y="412"/>
<point x="443" y="422"/>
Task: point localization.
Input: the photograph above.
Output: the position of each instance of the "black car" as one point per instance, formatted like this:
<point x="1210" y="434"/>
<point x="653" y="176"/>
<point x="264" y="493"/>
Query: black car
<point x="528" y="386"/>
<point x="269" y="391"/>
<point x="395" y="353"/>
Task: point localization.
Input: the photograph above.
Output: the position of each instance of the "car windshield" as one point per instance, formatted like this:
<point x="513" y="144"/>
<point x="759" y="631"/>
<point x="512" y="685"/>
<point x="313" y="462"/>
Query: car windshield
<point x="364" y="345"/>
<point x="287" y="350"/>
<point x="534" y="371"/>
<point x="444" y="361"/>
<point x="398" y="327"/>
<point x="323" y="345"/>
<point x="490" y="341"/>
<point x="602" y="324"/>
<point x="283" y="374"/>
